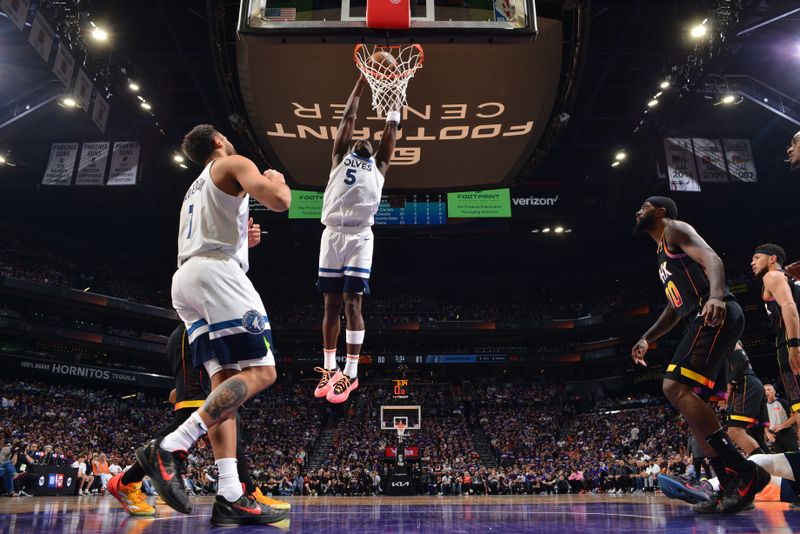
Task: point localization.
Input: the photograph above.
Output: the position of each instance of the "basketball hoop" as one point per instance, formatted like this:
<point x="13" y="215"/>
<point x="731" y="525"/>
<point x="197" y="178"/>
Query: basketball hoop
<point x="388" y="80"/>
<point x="400" y="426"/>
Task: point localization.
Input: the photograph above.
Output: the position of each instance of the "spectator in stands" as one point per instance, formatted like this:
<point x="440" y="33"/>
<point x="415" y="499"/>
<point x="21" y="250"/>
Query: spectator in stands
<point x="84" y="480"/>
<point x="100" y="469"/>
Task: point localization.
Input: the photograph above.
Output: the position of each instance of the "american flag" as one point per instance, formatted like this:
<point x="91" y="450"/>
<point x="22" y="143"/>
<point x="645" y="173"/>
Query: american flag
<point x="280" y="14"/>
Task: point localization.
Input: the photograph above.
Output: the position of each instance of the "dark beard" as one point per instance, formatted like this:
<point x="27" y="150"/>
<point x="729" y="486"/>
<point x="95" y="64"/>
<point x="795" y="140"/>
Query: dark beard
<point x="760" y="274"/>
<point x="643" y="224"/>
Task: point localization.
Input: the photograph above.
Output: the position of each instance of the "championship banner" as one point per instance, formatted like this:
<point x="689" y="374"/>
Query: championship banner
<point x="92" y="164"/>
<point x="124" y="163"/>
<point x="61" y="165"/>
<point x="739" y="156"/>
<point x="83" y="90"/>
<point x="710" y="160"/>
<point x="41" y="36"/>
<point x="17" y="11"/>
<point x="100" y="112"/>
<point x="64" y="65"/>
<point x="680" y="164"/>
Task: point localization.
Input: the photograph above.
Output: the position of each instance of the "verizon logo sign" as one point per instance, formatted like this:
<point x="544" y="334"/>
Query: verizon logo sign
<point x="534" y="201"/>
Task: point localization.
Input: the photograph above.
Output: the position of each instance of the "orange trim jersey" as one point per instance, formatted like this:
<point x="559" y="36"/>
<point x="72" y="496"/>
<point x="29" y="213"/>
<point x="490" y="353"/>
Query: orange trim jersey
<point x="685" y="282"/>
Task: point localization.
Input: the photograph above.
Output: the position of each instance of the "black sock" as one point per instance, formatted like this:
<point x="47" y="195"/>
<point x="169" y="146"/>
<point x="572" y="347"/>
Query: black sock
<point x="719" y="470"/>
<point x="730" y="457"/>
<point x="757" y="450"/>
<point x="133" y="475"/>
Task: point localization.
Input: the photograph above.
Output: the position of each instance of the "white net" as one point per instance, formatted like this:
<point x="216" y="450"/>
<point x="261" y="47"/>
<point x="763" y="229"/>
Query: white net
<point x="387" y="79"/>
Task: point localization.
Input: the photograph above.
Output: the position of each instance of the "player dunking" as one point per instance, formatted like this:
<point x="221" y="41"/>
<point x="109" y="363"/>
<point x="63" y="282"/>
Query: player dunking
<point x="225" y="319"/>
<point x="781" y="295"/>
<point x="349" y="205"/>
<point x="191" y="386"/>
<point x="694" y="281"/>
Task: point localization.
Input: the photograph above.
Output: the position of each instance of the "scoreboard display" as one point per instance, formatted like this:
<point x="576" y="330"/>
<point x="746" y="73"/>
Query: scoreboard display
<point x="401" y="389"/>
<point x="394" y="210"/>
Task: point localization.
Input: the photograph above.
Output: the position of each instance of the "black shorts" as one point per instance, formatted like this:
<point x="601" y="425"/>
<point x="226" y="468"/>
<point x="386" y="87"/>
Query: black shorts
<point x="791" y="381"/>
<point x="702" y="351"/>
<point x="747" y="404"/>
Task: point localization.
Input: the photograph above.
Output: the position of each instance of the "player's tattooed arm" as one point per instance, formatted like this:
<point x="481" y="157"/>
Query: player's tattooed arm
<point x="228" y="396"/>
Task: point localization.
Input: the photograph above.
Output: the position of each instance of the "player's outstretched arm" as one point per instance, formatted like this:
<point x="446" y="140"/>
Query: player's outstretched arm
<point x="348" y="123"/>
<point x="696" y="248"/>
<point x="385" y="150"/>
<point x="269" y="188"/>
<point x="775" y="283"/>
<point x="665" y="322"/>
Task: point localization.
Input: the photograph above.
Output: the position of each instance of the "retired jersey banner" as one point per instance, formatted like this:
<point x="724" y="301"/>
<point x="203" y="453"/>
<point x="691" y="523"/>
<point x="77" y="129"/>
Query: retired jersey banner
<point x="124" y="163"/>
<point x="739" y="156"/>
<point x="41" y="36"/>
<point x="83" y="90"/>
<point x="17" y="11"/>
<point x="64" y="66"/>
<point x="61" y="165"/>
<point x="92" y="164"/>
<point x="681" y="169"/>
<point x="710" y="160"/>
<point x="100" y="112"/>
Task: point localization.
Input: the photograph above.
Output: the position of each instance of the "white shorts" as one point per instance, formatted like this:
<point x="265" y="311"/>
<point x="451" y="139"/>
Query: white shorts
<point x="224" y="316"/>
<point x="345" y="260"/>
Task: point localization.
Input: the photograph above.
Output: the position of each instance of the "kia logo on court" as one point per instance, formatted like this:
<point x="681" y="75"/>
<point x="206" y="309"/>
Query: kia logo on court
<point x="400" y="484"/>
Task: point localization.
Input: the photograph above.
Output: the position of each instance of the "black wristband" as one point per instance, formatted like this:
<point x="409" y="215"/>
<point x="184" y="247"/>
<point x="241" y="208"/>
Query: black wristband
<point x="793" y="342"/>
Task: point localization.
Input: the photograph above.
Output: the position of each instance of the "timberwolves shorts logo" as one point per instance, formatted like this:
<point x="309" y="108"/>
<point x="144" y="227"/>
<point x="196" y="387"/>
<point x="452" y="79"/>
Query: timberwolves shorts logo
<point x="254" y="322"/>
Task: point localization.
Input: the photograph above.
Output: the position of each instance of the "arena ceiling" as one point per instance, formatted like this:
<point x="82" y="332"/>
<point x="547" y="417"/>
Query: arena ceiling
<point x="176" y="51"/>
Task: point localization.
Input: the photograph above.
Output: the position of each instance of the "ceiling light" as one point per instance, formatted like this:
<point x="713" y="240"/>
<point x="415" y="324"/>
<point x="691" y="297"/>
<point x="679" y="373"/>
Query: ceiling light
<point x="546" y="229"/>
<point x="183" y="166"/>
<point x="145" y="105"/>
<point x="568" y="231"/>
<point x="728" y="99"/>
<point x="178" y="158"/>
<point x="615" y="164"/>
<point x="658" y="94"/>
<point x="535" y="231"/>
<point x="699" y="31"/>
<point x="664" y="84"/>
<point x="99" y="34"/>
<point x="652" y="103"/>
<point x="133" y="87"/>
<point x="621" y="155"/>
<point x="559" y="229"/>
<point x="69" y="102"/>
<point x="2" y="160"/>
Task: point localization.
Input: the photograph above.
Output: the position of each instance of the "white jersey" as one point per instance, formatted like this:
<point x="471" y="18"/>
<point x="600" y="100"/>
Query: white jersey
<point x="353" y="193"/>
<point x="213" y="221"/>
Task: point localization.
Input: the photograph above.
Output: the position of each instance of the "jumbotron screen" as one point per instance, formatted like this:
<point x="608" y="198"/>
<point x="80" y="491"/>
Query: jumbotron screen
<point x="491" y="203"/>
<point x="394" y="210"/>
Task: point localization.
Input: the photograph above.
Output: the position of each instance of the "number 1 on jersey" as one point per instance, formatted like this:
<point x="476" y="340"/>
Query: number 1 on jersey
<point x="191" y="216"/>
<point x="351" y="177"/>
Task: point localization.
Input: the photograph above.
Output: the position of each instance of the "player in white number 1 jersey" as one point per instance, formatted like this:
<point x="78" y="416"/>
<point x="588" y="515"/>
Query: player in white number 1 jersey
<point x="345" y="256"/>
<point x="226" y="323"/>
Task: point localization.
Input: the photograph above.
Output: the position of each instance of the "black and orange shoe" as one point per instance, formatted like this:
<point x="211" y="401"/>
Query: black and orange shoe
<point x="165" y="470"/>
<point x="329" y="378"/>
<point x="245" y="511"/>
<point x="741" y="490"/>
<point x="341" y="389"/>
<point x="272" y="503"/>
